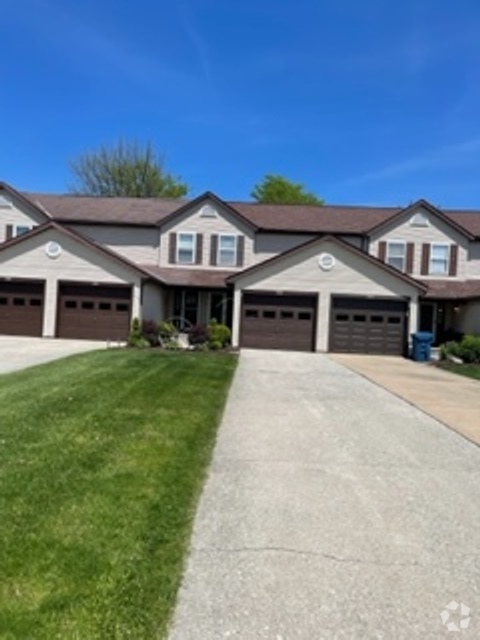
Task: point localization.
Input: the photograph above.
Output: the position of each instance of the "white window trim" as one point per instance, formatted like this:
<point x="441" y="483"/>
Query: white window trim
<point x="235" y="249"/>
<point x="22" y="226"/>
<point x="430" y="261"/>
<point x="387" y="256"/>
<point x="194" y="248"/>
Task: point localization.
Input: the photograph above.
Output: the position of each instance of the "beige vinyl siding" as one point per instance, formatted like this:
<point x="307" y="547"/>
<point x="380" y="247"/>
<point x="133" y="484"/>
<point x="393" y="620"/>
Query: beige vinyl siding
<point x="300" y="272"/>
<point x="153" y="302"/>
<point x="473" y="264"/>
<point x="17" y="215"/>
<point x="269" y="245"/>
<point x="192" y="222"/>
<point x="436" y="232"/>
<point x="138" y="244"/>
<point x="76" y="263"/>
<point x="467" y="318"/>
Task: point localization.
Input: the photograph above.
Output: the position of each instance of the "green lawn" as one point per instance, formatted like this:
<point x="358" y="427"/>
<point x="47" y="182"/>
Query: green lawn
<point x="102" y="458"/>
<point x="468" y="370"/>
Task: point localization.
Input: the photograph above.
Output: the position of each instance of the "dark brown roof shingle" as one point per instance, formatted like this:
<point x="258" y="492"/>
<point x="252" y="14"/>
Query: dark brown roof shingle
<point x="452" y="290"/>
<point x="283" y="218"/>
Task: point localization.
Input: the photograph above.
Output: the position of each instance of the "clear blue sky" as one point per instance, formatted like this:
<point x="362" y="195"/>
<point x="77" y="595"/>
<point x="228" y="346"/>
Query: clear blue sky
<point x="369" y="101"/>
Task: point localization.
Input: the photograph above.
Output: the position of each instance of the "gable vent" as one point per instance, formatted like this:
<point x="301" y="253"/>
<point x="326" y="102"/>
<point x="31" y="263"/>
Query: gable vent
<point x="4" y="203"/>
<point x="207" y="211"/>
<point x="419" y="220"/>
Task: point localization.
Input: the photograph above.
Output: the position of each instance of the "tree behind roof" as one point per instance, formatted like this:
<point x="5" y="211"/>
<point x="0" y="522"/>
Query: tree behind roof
<point x="127" y="169"/>
<point x="275" y="189"/>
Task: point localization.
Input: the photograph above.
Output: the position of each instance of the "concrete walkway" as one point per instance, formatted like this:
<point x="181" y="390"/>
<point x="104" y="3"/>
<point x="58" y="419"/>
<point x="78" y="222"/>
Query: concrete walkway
<point x="452" y="399"/>
<point x="333" y="509"/>
<point x="18" y="352"/>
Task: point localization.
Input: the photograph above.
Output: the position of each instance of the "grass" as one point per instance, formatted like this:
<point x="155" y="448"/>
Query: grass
<point x="468" y="370"/>
<point x="102" y="458"/>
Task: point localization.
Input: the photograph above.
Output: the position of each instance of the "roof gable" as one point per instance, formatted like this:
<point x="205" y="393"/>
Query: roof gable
<point x="80" y="239"/>
<point x="206" y="198"/>
<point x="413" y="208"/>
<point x="9" y="194"/>
<point x="317" y="242"/>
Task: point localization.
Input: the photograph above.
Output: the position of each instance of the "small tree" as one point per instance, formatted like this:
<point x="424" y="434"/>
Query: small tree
<point x="128" y="169"/>
<point x="274" y="189"/>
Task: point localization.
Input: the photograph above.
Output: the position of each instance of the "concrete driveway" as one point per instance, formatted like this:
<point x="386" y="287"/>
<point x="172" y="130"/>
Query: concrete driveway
<point x="333" y="509"/>
<point x="20" y="352"/>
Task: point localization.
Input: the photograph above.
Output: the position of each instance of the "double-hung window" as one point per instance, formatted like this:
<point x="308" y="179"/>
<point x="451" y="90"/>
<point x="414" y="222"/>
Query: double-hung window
<point x="186" y="248"/>
<point x="396" y="255"/>
<point x="227" y="250"/>
<point x="439" y="259"/>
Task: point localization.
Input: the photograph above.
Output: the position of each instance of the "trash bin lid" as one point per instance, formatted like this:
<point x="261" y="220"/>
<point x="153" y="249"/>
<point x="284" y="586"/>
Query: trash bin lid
<point x="423" y="335"/>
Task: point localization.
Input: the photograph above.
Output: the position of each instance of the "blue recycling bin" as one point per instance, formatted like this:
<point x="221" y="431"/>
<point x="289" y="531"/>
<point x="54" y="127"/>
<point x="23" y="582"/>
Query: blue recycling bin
<point x="421" y="346"/>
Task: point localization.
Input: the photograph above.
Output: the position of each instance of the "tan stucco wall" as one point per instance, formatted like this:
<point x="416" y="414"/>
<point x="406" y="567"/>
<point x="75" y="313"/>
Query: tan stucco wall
<point x="352" y="275"/>
<point x="77" y="263"/>
<point x="138" y="244"/>
<point x="192" y="221"/>
<point x="437" y="232"/>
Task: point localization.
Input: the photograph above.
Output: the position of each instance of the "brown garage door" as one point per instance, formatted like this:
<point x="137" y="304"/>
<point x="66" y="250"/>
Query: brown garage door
<point x="21" y="308"/>
<point x="272" y="321"/>
<point x="94" y="313"/>
<point x="367" y="325"/>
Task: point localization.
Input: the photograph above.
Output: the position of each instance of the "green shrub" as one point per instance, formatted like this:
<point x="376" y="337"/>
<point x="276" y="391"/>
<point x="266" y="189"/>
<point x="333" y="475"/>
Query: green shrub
<point x="215" y="345"/>
<point x="135" y="337"/>
<point x="449" y="349"/>
<point x="218" y="333"/>
<point x="469" y="349"/>
<point x="167" y="330"/>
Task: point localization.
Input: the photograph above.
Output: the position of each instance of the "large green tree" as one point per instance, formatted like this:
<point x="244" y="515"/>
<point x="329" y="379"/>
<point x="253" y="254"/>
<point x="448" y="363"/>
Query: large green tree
<point x="276" y="189"/>
<point x="125" y="169"/>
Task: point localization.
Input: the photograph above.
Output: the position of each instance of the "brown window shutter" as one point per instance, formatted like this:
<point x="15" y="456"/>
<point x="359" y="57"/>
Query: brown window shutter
<point x="199" y="256"/>
<point x="452" y="270"/>
<point x="172" y="248"/>
<point x="240" y="250"/>
<point x="213" y="250"/>
<point x="425" y="260"/>
<point x="410" y="250"/>
<point x="9" y="235"/>
<point x="382" y="251"/>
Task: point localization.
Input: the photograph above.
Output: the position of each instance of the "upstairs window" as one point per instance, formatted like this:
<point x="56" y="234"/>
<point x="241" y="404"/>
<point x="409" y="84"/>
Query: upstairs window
<point x="396" y="255"/>
<point x="439" y="259"/>
<point x="186" y="248"/>
<point x="227" y="250"/>
<point x="22" y="229"/>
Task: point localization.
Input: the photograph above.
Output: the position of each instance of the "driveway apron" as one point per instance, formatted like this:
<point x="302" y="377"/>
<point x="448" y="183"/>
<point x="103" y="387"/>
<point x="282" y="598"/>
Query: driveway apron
<point x="333" y="509"/>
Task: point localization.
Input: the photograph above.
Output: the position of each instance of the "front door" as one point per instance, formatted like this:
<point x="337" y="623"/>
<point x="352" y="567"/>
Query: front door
<point x="185" y="308"/>
<point x="427" y="317"/>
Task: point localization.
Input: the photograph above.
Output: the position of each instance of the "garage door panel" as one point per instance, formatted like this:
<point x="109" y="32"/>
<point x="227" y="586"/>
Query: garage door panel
<point x="94" y="313"/>
<point x="271" y="321"/>
<point x="366" y="325"/>
<point x="21" y="308"/>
